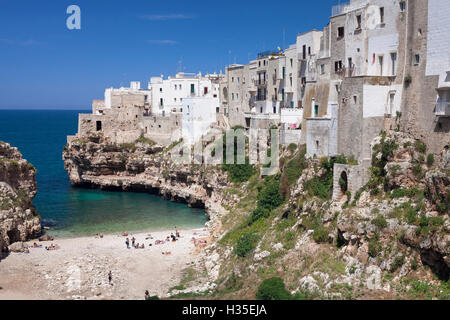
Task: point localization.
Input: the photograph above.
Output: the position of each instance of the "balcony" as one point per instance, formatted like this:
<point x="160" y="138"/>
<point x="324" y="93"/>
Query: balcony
<point x="442" y="109"/>
<point x="260" y="82"/>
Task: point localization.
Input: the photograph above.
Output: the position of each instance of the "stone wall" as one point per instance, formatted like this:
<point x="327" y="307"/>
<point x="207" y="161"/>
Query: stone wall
<point x="163" y="130"/>
<point x="420" y="96"/>
<point x="356" y="176"/>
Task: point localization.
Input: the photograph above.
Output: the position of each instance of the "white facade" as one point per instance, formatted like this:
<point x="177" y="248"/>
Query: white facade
<point x="168" y="94"/>
<point x="199" y="113"/>
<point x="292" y="117"/>
<point x="381" y="100"/>
<point x="134" y="89"/>
<point x="438" y="41"/>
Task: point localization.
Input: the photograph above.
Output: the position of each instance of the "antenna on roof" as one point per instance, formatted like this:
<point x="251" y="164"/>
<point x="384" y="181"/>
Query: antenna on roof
<point x="180" y="65"/>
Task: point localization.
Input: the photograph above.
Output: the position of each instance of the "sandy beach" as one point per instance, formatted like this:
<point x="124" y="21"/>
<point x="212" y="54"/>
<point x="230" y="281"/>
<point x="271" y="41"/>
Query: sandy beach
<point x="80" y="268"/>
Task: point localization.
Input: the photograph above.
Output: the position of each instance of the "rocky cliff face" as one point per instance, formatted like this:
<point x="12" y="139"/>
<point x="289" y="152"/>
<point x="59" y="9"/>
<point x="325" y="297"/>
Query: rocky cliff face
<point x="19" y="220"/>
<point x="141" y="167"/>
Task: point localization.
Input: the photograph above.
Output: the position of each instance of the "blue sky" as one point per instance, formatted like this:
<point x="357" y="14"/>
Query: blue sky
<point x="45" y="65"/>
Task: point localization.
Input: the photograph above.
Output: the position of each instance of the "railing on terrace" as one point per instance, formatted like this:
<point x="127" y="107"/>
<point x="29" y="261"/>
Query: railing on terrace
<point x="443" y="109"/>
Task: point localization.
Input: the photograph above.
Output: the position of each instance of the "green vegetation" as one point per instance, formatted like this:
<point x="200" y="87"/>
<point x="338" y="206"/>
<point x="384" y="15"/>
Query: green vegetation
<point x="380" y="222"/>
<point x="273" y="289"/>
<point x="237" y="173"/>
<point x="322" y="186"/>
<point x="374" y="245"/>
<point x="246" y="243"/>
<point x="430" y="160"/>
<point x="414" y="192"/>
<point x="314" y="222"/>
<point x="269" y="198"/>
<point x="14" y="163"/>
<point x="292" y="147"/>
<point x="420" y="146"/>
<point x="174" y="144"/>
<point x="408" y="80"/>
<point x="293" y="169"/>
<point x="377" y="171"/>
<point x="398" y="263"/>
<point x="143" y="139"/>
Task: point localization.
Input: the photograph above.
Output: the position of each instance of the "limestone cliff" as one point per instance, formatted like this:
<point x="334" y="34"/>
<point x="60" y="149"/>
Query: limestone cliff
<point x="390" y="240"/>
<point x="19" y="220"/>
<point x="141" y="167"/>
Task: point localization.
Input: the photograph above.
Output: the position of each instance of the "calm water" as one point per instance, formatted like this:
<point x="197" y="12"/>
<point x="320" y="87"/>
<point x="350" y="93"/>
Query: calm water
<point x="40" y="136"/>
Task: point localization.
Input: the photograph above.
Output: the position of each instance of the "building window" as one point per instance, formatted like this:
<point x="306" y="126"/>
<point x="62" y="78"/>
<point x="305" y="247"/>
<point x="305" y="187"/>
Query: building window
<point x="304" y="52"/>
<point x="402" y="6"/>
<point x="337" y="66"/>
<point x="394" y="63"/>
<point x="416" y="59"/>
<point x="309" y="50"/>
<point x="232" y="96"/>
<point x="192" y="88"/>
<point x="380" y="64"/>
<point x="175" y="87"/>
<point x="340" y="32"/>
<point x="355" y="99"/>
<point x="232" y="79"/>
<point x="160" y="89"/>
<point x="161" y="102"/>
<point x="292" y="61"/>
<point x="316" y="110"/>
<point x="205" y="90"/>
<point x="382" y="15"/>
<point x="358" y="21"/>
<point x="99" y="126"/>
<point x="322" y="69"/>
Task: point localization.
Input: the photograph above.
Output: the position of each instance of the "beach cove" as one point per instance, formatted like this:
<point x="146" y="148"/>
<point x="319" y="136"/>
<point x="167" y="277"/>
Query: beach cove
<point x="80" y="268"/>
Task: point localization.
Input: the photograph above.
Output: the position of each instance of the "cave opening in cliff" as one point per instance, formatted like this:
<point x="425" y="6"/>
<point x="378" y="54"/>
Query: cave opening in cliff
<point x="13" y="235"/>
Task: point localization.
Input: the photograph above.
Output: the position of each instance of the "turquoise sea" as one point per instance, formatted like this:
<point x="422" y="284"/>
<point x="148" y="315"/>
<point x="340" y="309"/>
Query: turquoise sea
<point x="41" y="135"/>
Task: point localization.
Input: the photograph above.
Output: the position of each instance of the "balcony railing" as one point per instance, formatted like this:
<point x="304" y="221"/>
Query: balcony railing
<point x="260" y="82"/>
<point x="443" y="109"/>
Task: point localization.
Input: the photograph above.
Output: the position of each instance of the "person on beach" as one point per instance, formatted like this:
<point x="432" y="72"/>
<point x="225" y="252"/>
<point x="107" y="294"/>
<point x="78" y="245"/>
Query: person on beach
<point x="110" y="277"/>
<point x="132" y="241"/>
<point x="147" y="295"/>
<point x="177" y="233"/>
<point x="127" y="242"/>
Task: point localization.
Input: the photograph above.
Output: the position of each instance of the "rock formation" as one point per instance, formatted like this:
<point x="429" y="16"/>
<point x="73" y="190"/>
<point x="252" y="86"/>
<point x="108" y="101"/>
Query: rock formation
<point x="141" y="167"/>
<point x="19" y="220"/>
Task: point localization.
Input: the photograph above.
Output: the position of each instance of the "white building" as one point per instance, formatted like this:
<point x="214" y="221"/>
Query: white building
<point x="125" y="96"/>
<point x="168" y="94"/>
<point x="199" y="113"/>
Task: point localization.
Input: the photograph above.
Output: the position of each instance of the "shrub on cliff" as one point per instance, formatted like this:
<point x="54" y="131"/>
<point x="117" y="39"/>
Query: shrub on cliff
<point x="270" y="196"/>
<point x="245" y="244"/>
<point x="239" y="173"/>
<point x="273" y="289"/>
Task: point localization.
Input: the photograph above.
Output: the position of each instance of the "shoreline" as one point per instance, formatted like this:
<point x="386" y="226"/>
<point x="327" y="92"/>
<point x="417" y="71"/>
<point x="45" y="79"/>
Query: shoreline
<point x="80" y="268"/>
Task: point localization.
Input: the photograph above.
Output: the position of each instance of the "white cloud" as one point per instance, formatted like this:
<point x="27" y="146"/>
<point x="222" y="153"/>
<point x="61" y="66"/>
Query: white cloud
<point x="24" y="43"/>
<point x="163" y="17"/>
<point x="168" y="42"/>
